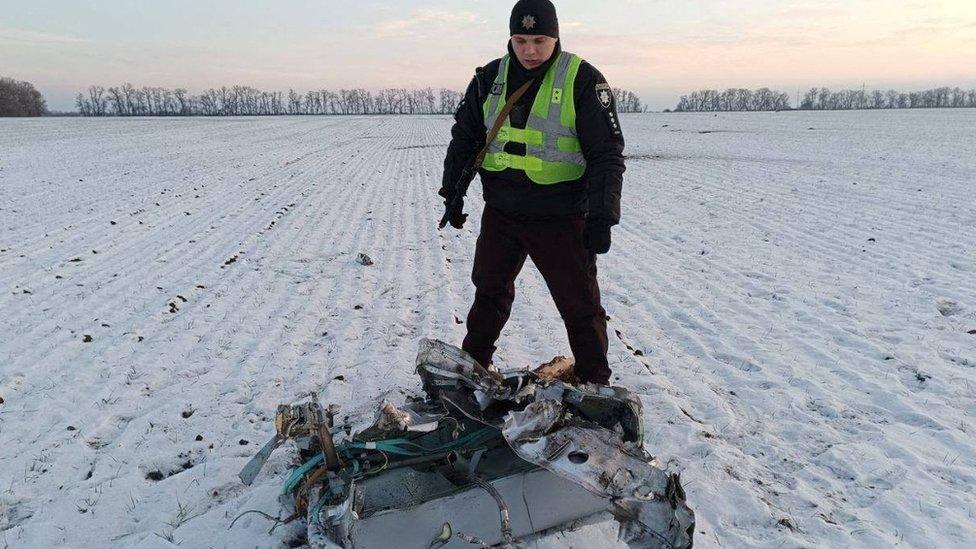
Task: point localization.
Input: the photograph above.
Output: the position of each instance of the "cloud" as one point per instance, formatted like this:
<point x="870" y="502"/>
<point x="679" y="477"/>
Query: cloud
<point x="423" y="19"/>
<point x="34" y="38"/>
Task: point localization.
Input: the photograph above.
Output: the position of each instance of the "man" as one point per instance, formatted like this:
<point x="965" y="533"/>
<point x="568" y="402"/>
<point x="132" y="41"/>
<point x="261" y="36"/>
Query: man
<point x="551" y="180"/>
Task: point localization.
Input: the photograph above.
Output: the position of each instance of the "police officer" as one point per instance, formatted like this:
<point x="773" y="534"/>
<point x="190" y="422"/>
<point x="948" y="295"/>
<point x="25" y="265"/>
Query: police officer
<point x="551" y="180"/>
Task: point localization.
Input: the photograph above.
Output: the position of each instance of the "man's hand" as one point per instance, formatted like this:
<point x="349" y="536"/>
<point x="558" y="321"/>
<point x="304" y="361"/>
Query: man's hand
<point x="455" y="216"/>
<point x="596" y="236"/>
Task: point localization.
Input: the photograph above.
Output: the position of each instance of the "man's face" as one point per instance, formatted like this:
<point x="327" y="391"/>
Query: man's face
<point x="533" y="50"/>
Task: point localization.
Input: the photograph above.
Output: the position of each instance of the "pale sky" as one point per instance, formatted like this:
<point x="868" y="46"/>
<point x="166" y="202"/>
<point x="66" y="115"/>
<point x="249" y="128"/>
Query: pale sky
<point x="657" y="48"/>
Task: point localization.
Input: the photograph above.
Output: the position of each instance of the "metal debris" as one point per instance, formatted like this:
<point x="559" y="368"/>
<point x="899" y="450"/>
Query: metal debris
<point x="533" y="451"/>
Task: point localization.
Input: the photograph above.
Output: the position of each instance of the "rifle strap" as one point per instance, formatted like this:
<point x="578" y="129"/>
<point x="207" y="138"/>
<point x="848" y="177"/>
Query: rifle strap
<point x="461" y="186"/>
<point x="500" y="121"/>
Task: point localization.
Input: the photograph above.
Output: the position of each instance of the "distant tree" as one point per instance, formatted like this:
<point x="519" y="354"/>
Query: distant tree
<point x="312" y="102"/>
<point x="726" y="100"/>
<point x="365" y="101"/>
<point x="449" y="101"/>
<point x="781" y="101"/>
<point x="822" y="101"/>
<point x="877" y="99"/>
<point x="345" y="101"/>
<point x="914" y="100"/>
<point x="128" y="99"/>
<point x="410" y="102"/>
<point x="763" y="100"/>
<point x="99" y="103"/>
<point x="958" y="98"/>
<point x="83" y="105"/>
<point x="294" y="103"/>
<point x="140" y="105"/>
<point x="891" y="99"/>
<point x="809" y="102"/>
<point x="20" y="99"/>
<point x="116" y="101"/>
<point x="182" y="102"/>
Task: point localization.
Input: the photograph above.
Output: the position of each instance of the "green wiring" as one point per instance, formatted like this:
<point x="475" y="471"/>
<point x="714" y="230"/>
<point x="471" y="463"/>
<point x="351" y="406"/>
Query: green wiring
<point x="396" y="446"/>
<point x="297" y="475"/>
<point x="317" y="510"/>
<point x="404" y="447"/>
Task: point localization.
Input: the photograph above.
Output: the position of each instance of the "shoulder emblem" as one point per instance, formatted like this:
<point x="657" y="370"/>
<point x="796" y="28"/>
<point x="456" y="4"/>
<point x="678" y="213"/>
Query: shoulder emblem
<point x="604" y="94"/>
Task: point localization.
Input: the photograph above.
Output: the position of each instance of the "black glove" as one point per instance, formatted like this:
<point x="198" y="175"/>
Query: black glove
<point x="456" y="217"/>
<point x="596" y="236"/>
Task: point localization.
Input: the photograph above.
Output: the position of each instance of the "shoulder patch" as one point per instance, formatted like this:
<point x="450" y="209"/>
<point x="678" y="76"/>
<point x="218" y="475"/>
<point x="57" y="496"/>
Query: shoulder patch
<point x="604" y="94"/>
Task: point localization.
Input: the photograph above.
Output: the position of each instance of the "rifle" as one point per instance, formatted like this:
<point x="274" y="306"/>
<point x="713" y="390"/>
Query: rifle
<point x="468" y="173"/>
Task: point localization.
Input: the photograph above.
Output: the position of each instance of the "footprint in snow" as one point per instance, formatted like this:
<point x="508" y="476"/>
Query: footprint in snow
<point x="184" y="462"/>
<point x="13" y="513"/>
<point x="741" y="363"/>
<point x="948" y="307"/>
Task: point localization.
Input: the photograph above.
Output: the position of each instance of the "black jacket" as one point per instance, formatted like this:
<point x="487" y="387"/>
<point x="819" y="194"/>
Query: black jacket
<point x="596" y="193"/>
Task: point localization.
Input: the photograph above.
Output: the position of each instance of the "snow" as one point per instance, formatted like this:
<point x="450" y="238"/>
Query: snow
<point x="793" y="294"/>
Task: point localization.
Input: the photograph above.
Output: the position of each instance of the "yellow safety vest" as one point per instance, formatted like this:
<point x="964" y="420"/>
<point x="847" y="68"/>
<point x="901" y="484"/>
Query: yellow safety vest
<point x="553" y="152"/>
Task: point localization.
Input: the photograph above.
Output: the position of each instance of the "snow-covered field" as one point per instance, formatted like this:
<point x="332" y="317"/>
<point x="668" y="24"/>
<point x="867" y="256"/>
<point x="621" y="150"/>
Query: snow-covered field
<point x="794" y="296"/>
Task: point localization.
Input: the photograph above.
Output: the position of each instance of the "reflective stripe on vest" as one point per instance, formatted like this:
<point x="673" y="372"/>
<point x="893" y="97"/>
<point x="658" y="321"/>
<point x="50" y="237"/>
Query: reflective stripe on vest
<point x="553" y="152"/>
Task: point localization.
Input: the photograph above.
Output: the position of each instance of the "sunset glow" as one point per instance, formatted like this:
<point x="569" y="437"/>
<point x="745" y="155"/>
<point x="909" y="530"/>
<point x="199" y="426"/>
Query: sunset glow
<point x="659" y="49"/>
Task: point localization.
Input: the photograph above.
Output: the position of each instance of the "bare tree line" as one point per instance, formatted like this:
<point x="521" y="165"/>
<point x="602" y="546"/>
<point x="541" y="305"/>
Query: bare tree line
<point x="734" y="99"/>
<point x="127" y="100"/>
<point x="20" y="99"/>
<point x="818" y="99"/>
<point x="765" y="99"/>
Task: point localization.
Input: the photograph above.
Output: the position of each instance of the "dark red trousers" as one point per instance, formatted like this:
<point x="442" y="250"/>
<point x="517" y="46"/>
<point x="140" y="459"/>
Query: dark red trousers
<point x="556" y="248"/>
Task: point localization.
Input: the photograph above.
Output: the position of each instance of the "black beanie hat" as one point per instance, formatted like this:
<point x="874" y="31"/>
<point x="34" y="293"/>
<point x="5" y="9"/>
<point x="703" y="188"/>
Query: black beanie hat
<point x="534" y="17"/>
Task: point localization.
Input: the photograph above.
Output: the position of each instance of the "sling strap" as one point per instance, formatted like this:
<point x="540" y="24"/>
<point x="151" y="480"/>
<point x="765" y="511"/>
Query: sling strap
<point x="500" y="121"/>
<point x="461" y="186"/>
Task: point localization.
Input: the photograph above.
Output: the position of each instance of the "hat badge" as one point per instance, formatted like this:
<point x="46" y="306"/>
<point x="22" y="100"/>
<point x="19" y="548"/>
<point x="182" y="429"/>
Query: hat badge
<point x="528" y="22"/>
